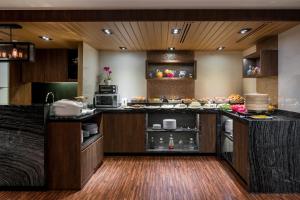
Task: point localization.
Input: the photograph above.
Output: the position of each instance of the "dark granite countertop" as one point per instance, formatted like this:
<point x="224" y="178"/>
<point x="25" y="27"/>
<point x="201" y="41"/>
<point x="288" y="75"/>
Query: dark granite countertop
<point x="75" y="118"/>
<point x="109" y="110"/>
<point x="277" y="116"/>
<point x="129" y="110"/>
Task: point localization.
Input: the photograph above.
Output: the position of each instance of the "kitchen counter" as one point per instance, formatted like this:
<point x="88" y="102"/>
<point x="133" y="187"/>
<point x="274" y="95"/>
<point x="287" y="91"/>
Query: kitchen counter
<point x="74" y="118"/>
<point x="130" y="110"/>
<point x="272" y="149"/>
<point x="277" y="116"/>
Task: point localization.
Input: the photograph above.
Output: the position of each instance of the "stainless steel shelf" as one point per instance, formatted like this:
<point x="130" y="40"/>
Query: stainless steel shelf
<point x="173" y="150"/>
<point x="175" y="130"/>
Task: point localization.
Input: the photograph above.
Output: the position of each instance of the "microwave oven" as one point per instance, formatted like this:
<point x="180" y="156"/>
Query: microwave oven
<point x="107" y="100"/>
<point x="108" y="89"/>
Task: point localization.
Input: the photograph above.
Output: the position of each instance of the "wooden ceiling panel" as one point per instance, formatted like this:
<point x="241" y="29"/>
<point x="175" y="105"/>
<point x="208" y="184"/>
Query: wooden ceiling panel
<point x="154" y="35"/>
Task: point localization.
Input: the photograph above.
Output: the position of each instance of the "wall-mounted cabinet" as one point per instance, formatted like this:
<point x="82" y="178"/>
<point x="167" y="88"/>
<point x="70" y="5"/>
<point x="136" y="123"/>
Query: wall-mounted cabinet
<point x="261" y="60"/>
<point x="51" y="65"/>
<point x="264" y="65"/>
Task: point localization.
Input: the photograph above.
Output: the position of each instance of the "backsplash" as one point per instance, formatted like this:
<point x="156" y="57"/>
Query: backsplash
<point x="61" y="91"/>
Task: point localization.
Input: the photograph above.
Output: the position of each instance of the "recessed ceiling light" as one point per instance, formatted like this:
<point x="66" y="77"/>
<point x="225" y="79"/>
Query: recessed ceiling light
<point x="244" y="30"/>
<point x="123" y="48"/>
<point x="220" y="48"/>
<point x="44" y="37"/>
<point x="107" y="31"/>
<point x="175" y="31"/>
<point x="171" y="48"/>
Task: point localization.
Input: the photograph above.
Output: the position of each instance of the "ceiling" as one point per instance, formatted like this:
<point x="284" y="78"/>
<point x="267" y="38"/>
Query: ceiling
<point x="149" y="4"/>
<point x="137" y="36"/>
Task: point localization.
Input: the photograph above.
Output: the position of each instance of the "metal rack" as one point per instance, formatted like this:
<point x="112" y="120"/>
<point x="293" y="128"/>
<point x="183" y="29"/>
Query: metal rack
<point x="188" y="127"/>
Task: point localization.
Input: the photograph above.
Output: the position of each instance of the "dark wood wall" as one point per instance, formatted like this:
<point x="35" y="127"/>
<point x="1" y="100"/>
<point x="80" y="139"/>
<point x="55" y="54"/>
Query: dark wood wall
<point x="150" y="15"/>
<point x="19" y="91"/>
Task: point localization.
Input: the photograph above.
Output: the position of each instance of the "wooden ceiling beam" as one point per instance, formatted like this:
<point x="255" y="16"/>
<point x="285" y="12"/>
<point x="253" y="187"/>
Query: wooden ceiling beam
<point x="148" y="15"/>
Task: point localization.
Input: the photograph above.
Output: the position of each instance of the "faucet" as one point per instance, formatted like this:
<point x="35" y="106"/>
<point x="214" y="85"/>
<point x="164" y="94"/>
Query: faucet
<point x="47" y="96"/>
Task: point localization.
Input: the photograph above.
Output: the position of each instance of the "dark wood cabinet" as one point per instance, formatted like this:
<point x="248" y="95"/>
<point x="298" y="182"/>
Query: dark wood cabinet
<point x="56" y="66"/>
<point x="207" y="135"/>
<point x="124" y="132"/>
<point x="71" y="163"/>
<point x="91" y="157"/>
<point x="264" y="56"/>
<point x="240" y="149"/>
<point x="35" y="71"/>
<point x="51" y="65"/>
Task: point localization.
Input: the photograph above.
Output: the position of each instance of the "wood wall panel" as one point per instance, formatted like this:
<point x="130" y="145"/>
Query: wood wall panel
<point x="171" y="88"/>
<point x="51" y="65"/>
<point x="19" y="92"/>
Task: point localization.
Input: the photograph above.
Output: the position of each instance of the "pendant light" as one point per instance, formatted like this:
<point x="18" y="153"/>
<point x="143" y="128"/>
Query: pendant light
<point x="15" y="51"/>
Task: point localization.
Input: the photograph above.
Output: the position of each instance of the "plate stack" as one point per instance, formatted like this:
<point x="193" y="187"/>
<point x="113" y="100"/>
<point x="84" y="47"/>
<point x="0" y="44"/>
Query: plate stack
<point x="169" y="124"/>
<point x="92" y="128"/>
<point x="257" y="102"/>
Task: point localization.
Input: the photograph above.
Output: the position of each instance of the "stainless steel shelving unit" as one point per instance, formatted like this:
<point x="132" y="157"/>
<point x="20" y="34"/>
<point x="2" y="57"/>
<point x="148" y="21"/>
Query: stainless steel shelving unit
<point x="190" y="121"/>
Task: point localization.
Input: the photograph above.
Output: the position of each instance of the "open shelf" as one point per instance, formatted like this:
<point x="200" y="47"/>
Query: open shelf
<point x="179" y="71"/>
<point x="173" y="130"/>
<point x="89" y="140"/>
<point x="173" y="150"/>
<point x="172" y="79"/>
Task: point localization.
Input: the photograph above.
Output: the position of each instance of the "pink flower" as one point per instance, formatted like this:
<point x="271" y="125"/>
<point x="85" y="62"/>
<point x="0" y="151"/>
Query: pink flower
<point x="109" y="71"/>
<point x="106" y="68"/>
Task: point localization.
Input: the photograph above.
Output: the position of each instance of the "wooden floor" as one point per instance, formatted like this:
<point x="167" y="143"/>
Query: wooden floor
<point x="156" y="178"/>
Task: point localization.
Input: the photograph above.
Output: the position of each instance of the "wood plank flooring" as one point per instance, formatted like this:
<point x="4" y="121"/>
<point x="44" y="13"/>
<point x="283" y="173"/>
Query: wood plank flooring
<point x="156" y="178"/>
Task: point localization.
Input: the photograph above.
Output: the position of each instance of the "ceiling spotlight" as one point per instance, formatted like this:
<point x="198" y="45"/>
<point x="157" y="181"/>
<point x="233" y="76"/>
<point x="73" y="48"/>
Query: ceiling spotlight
<point x="107" y="31"/>
<point x="244" y="30"/>
<point x="123" y="48"/>
<point x="171" y="48"/>
<point x="44" y="37"/>
<point x="220" y="48"/>
<point x="175" y="31"/>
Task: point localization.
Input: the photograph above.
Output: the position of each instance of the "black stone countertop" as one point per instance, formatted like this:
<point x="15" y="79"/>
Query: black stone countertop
<point x="277" y="116"/>
<point x="75" y="118"/>
<point x="130" y="110"/>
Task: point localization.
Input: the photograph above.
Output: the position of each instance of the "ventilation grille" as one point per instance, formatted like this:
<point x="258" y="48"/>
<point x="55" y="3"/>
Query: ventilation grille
<point x="185" y="32"/>
<point x="252" y="32"/>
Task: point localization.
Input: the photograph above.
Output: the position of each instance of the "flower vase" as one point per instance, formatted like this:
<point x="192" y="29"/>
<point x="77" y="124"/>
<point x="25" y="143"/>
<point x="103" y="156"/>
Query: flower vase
<point x="107" y="82"/>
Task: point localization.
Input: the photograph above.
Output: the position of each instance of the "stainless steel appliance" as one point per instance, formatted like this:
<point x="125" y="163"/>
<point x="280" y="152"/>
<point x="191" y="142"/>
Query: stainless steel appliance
<point x="107" y="100"/>
<point x="108" y="89"/>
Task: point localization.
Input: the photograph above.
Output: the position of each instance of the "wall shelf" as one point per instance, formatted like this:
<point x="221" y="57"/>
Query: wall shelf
<point x="175" y="130"/>
<point x="261" y="60"/>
